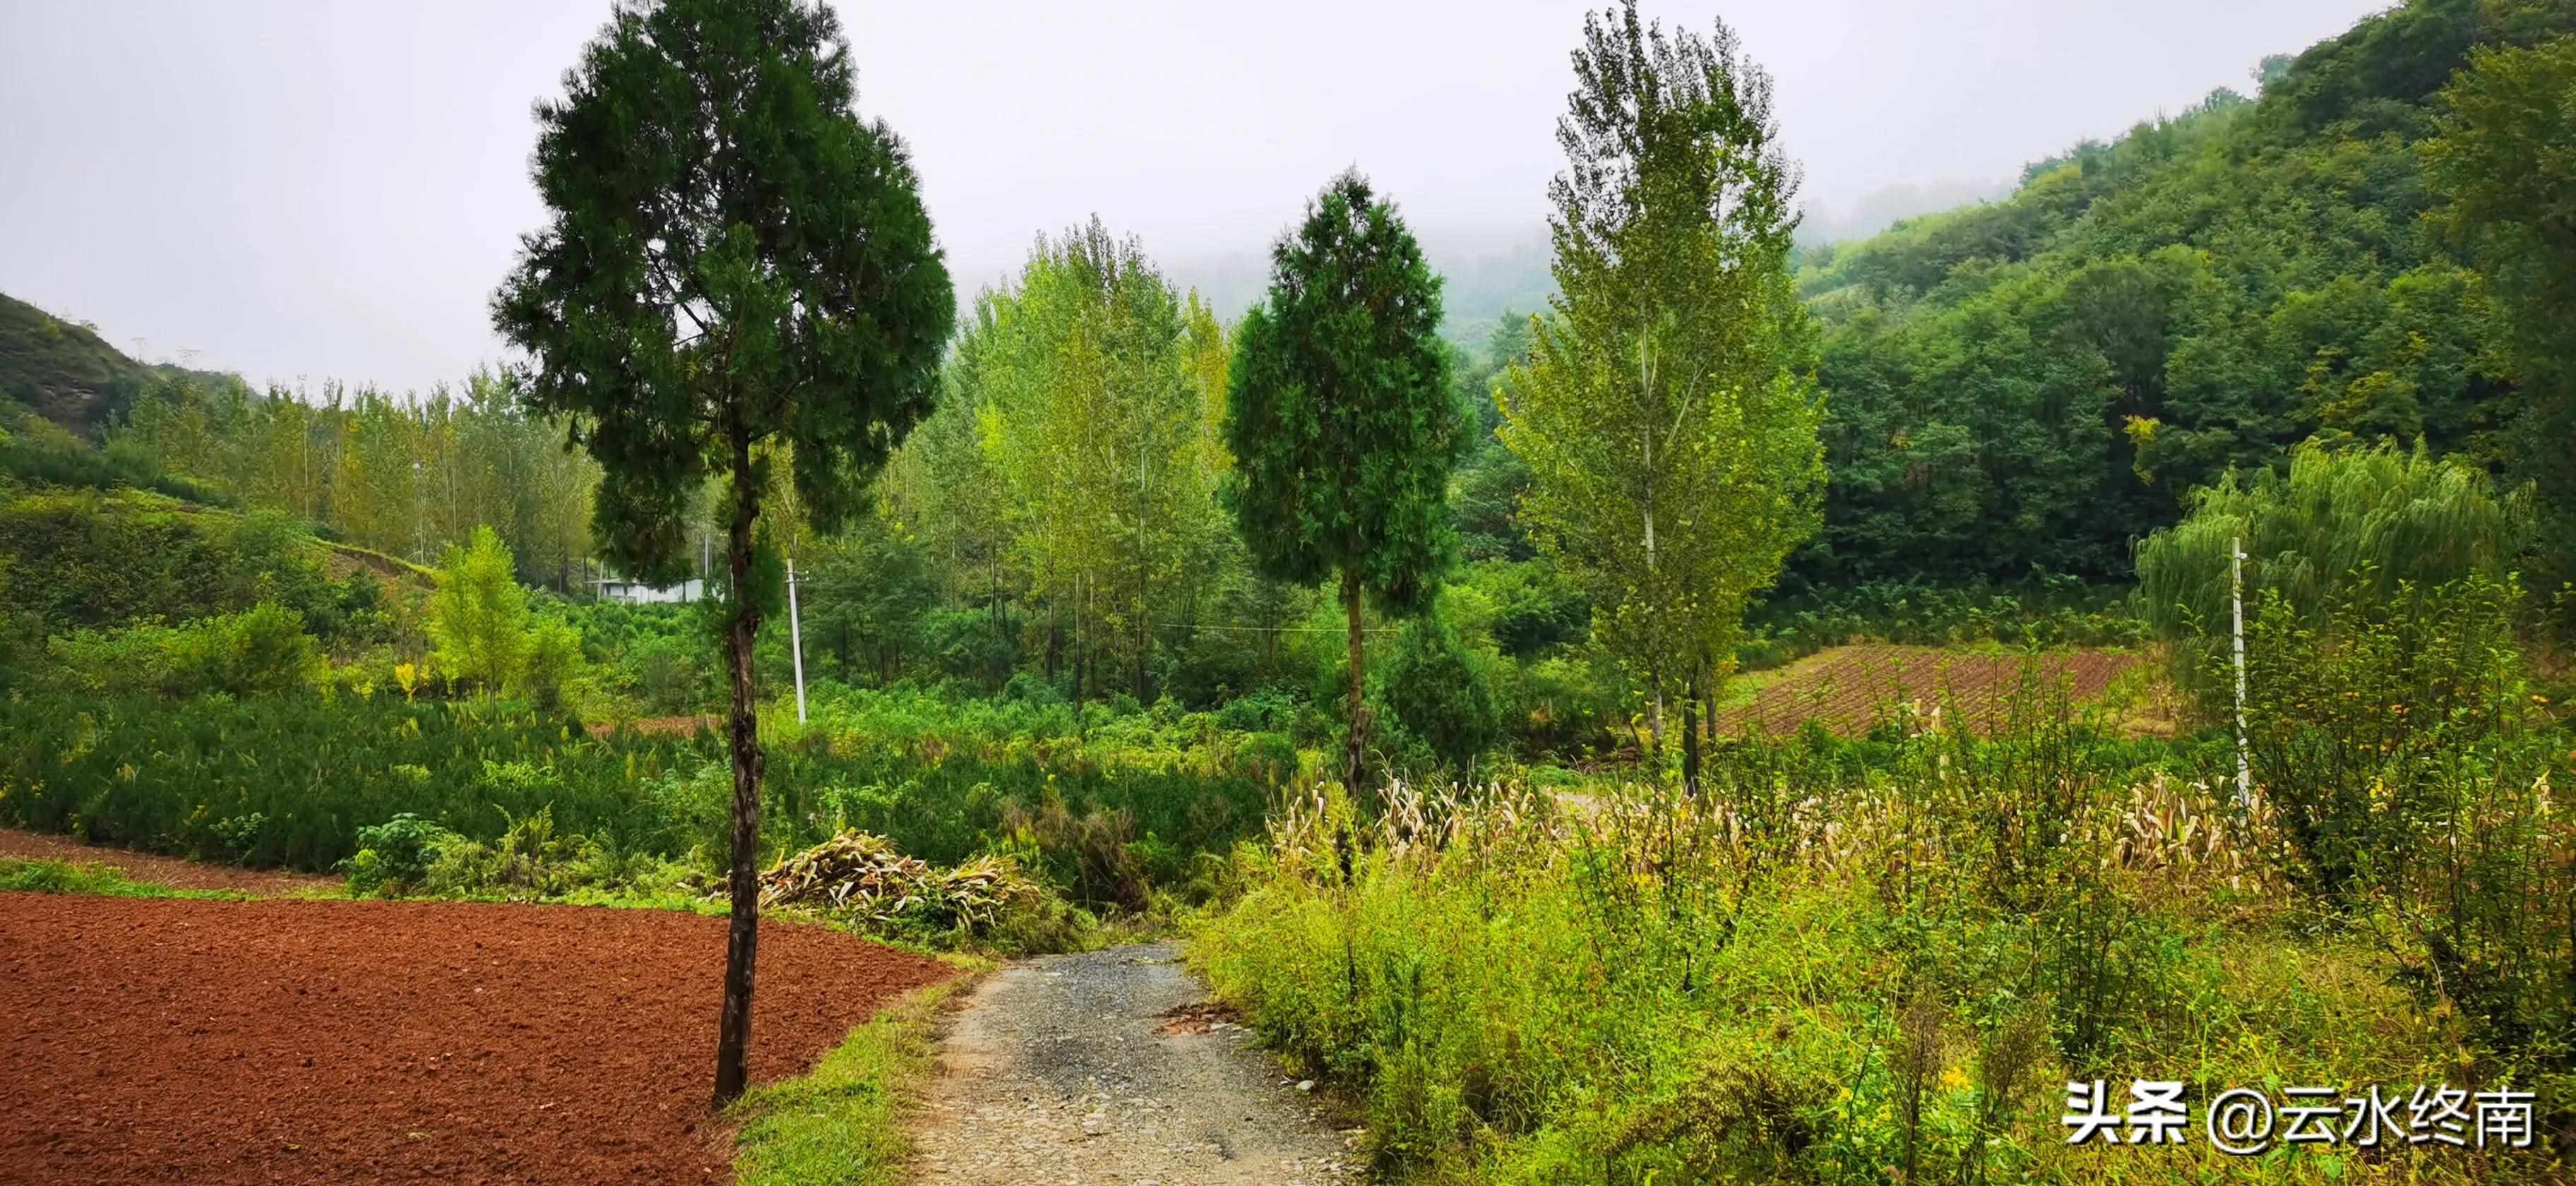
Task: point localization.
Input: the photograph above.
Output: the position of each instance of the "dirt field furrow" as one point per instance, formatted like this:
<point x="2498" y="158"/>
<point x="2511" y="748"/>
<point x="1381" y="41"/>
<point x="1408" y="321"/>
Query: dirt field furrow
<point x="1850" y="689"/>
<point x="216" y="1042"/>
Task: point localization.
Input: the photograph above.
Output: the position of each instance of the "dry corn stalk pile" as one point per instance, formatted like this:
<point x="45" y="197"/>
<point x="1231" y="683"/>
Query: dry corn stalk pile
<point x="859" y="874"/>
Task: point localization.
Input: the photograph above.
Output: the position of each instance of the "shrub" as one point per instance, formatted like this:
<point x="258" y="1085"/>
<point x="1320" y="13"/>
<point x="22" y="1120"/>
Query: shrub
<point x="395" y="854"/>
<point x="1437" y="691"/>
<point x="553" y="662"/>
<point x="261" y="652"/>
<point x="2351" y="713"/>
<point x="478" y="619"/>
<point x="70" y="463"/>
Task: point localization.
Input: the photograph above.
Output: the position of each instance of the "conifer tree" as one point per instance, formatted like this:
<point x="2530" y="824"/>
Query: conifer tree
<point x="733" y="261"/>
<point x="1342" y="421"/>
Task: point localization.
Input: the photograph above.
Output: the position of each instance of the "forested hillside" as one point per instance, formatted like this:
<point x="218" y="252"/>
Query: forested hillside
<point x="64" y="372"/>
<point x="2029" y="385"/>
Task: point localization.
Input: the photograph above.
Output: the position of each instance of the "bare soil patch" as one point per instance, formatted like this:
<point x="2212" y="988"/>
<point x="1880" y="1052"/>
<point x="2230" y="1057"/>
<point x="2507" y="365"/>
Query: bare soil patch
<point x="1198" y="1018"/>
<point x="330" y="1042"/>
<point x="170" y="871"/>
<point x="680" y="726"/>
<point x="1850" y="689"/>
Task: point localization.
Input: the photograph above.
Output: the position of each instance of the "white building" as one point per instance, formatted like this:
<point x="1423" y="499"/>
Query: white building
<point x="636" y="592"/>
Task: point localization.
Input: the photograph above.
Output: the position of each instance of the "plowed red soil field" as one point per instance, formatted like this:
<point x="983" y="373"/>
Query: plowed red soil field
<point x="336" y="1042"/>
<point x="1850" y="689"/>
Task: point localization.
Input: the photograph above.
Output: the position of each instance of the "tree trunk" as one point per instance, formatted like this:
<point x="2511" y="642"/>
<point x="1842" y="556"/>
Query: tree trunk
<point x="1359" y="711"/>
<point x="1690" y="735"/>
<point x="1708" y="704"/>
<point x="733" y="1040"/>
<point x="1654" y="675"/>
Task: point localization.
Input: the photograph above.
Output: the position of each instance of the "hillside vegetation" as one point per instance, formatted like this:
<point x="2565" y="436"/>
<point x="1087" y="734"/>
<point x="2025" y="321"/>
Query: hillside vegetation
<point x="2033" y="383"/>
<point x="65" y="373"/>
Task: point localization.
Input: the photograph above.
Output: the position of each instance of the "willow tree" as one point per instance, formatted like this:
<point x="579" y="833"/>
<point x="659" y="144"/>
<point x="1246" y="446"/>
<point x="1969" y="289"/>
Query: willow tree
<point x="2372" y="522"/>
<point x="1341" y="420"/>
<point x="1667" y="408"/>
<point x="734" y="261"/>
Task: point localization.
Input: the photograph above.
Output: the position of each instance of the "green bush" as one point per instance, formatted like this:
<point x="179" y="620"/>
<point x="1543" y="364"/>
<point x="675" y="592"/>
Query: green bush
<point x="263" y="651"/>
<point x="1438" y="694"/>
<point x="394" y="854"/>
<point x="553" y="662"/>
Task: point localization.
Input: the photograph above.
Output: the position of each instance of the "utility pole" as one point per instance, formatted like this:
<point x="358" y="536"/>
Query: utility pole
<point x="796" y="641"/>
<point x="2236" y="596"/>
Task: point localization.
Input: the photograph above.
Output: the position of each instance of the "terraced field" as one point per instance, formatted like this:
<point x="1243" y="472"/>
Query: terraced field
<point x="1851" y="689"/>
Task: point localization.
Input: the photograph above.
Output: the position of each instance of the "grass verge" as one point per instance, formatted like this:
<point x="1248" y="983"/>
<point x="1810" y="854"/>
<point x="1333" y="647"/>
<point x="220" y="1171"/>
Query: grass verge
<point x="86" y="877"/>
<point x="842" y="1123"/>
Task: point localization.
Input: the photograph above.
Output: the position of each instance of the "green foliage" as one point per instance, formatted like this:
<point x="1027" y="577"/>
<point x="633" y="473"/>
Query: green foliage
<point x="1341" y="418"/>
<point x="1819" y="971"/>
<point x="2398" y="742"/>
<point x="402" y="476"/>
<point x="1096" y="419"/>
<point x="2355" y="705"/>
<point x="506" y="800"/>
<point x="1344" y="426"/>
<point x="262" y="651"/>
<point x="2371" y="523"/>
<point x="2201" y="294"/>
<point x="655" y="657"/>
<point x="2508" y="193"/>
<point x="867" y="596"/>
<point x="1667" y="411"/>
<point x="1437" y="691"/>
<point x="115" y="558"/>
<point x="394" y="854"/>
<point x="478" y="619"/>
<point x="28" y="460"/>
<point x="552" y="663"/>
<point x="702" y="283"/>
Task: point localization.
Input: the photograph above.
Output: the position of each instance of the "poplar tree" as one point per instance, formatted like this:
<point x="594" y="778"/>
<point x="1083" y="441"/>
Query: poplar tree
<point x="1092" y="425"/>
<point x="1342" y="422"/>
<point x="734" y="261"/>
<point x="1667" y="409"/>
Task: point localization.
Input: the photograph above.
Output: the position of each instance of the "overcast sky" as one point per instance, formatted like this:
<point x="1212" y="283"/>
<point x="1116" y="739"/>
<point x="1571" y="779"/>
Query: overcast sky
<point x="304" y="189"/>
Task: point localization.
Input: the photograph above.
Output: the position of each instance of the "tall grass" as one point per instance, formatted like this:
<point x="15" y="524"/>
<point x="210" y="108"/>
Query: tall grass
<point x="1816" y="974"/>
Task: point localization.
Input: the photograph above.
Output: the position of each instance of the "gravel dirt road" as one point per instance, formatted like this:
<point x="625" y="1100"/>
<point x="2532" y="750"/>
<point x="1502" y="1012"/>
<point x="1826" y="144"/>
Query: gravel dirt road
<point x="1112" y="1067"/>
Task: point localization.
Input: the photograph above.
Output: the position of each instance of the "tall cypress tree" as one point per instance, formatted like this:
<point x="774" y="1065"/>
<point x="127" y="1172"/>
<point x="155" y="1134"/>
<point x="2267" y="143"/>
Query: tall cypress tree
<point x="1341" y="418"/>
<point x="734" y="262"/>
